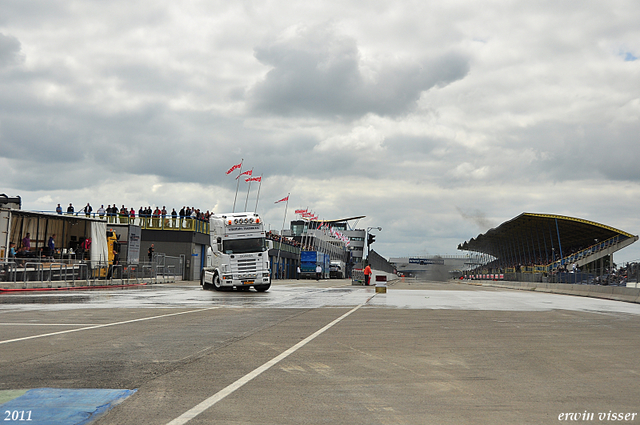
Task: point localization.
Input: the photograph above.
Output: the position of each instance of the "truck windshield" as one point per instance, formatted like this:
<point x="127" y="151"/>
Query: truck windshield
<point x="243" y="246"/>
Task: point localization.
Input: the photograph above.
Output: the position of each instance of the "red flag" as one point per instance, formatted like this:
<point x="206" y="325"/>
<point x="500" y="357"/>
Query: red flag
<point x="253" y="179"/>
<point x="282" y="200"/>
<point x="300" y="211"/>
<point x="248" y="173"/>
<point x="235" y="167"/>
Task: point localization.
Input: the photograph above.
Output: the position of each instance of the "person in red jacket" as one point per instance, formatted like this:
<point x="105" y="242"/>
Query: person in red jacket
<point x="367" y="275"/>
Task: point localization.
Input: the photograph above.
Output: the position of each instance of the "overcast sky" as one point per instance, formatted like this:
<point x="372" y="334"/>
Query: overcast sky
<point x="436" y="120"/>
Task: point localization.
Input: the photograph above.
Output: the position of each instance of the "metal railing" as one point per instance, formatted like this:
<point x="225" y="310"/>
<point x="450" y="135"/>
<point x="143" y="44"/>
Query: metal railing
<point x="284" y="247"/>
<point x="186" y="224"/>
<point x="167" y="222"/>
<point x="569" y="259"/>
<point x="32" y="274"/>
<point x="357" y="277"/>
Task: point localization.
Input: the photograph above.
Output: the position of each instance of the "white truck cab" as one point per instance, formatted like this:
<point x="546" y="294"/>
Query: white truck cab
<point x="238" y="255"/>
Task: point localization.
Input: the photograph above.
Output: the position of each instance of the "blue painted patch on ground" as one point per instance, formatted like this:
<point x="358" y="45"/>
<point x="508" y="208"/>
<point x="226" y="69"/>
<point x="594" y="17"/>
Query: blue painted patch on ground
<point x="55" y="406"/>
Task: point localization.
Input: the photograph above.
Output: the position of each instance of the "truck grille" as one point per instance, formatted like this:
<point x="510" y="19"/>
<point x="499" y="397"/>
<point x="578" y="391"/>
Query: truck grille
<point x="245" y="268"/>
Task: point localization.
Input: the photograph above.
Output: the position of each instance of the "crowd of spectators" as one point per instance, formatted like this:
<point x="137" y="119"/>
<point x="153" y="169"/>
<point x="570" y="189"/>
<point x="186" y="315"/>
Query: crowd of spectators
<point x="619" y="276"/>
<point x="571" y="273"/>
<point x="535" y="264"/>
<point x="187" y="218"/>
<point x="286" y="241"/>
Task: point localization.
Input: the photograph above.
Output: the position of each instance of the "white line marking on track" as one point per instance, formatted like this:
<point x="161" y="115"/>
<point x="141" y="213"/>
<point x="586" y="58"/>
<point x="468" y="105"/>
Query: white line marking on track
<point x="206" y="404"/>
<point x="104" y="325"/>
<point x="49" y="324"/>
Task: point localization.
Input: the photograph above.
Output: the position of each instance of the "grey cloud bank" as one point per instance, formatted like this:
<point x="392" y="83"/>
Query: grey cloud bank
<point x="318" y="73"/>
<point x="434" y="120"/>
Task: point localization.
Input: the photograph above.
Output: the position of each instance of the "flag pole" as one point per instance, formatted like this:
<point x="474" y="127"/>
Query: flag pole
<point x="237" y="186"/>
<point x="282" y="231"/>
<point x="248" y="189"/>
<point x="258" y="197"/>
<point x="304" y="233"/>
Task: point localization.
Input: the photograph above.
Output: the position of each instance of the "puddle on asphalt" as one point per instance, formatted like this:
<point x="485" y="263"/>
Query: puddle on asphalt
<point x="312" y="297"/>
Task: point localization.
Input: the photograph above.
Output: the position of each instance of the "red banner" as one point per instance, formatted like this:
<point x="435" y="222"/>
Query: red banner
<point x="235" y="167"/>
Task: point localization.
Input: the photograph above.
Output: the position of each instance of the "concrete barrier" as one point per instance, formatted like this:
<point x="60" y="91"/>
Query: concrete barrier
<point x="616" y="293"/>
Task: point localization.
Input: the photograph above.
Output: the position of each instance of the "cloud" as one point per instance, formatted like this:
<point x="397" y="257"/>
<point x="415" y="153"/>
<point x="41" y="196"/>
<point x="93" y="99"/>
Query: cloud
<point x="9" y="51"/>
<point x="318" y="71"/>
<point x="359" y="139"/>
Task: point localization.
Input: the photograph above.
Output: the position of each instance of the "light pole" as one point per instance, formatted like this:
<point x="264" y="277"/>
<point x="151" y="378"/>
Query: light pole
<point x="371" y="239"/>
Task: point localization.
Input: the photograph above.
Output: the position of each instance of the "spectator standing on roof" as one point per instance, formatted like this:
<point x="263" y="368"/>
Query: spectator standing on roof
<point x="164" y="217"/>
<point x="189" y="216"/>
<point x="174" y="215"/>
<point x="156" y="217"/>
<point x="59" y="209"/>
<point x="182" y="213"/>
<point x="111" y="214"/>
<point x="101" y="211"/>
<point x="87" y="210"/>
<point x="70" y="209"/>
<point x="124" y="215"/>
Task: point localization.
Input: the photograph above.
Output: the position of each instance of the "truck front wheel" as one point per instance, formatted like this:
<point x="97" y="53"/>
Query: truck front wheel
<point x="216" y="282"/>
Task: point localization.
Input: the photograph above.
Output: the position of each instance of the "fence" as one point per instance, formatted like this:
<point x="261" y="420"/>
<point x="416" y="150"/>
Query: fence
<point x="357" y="276"/>
<point x="166" y="222"/>
<point x="620" y="277"/>
<point x="72" y="273"/>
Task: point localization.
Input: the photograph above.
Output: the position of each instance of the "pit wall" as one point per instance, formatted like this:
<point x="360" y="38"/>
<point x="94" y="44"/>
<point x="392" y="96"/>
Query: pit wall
<point x="617" y="293"/>
<point x="390" y="276"/>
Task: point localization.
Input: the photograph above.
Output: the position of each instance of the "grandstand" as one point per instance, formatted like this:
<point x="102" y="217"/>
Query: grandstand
<point x="548" y="244"/>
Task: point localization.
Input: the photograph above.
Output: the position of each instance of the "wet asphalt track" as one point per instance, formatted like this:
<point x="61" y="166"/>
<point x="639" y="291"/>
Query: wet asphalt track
<point x="425" y="352"/>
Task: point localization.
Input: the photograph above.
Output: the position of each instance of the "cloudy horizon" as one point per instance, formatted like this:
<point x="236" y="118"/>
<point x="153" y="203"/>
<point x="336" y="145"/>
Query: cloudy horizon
<point x="436" y="121"/>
